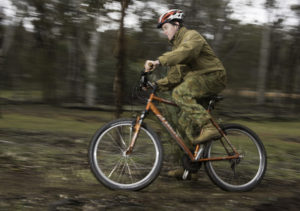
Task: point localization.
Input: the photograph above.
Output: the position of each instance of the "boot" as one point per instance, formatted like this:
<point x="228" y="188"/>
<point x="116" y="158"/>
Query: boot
<point x="176" y="173"/>
<point x="208" y="132"/>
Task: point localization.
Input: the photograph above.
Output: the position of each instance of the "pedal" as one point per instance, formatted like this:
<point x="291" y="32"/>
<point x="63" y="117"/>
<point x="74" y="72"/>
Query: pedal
<point x="185" y="174"/>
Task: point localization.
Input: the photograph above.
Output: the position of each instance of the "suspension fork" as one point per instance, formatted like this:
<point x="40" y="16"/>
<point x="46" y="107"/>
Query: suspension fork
<point x="136" y="125"/>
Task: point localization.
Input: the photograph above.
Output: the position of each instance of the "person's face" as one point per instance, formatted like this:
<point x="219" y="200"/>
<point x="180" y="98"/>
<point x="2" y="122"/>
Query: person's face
<point x="169" y="30"/>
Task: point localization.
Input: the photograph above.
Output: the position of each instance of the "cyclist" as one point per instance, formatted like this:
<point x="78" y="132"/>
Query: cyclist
<point x="194" y="73"/>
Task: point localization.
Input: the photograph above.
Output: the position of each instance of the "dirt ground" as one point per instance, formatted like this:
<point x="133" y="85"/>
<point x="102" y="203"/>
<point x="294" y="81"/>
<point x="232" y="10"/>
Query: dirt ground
<point x="48" y="170"/>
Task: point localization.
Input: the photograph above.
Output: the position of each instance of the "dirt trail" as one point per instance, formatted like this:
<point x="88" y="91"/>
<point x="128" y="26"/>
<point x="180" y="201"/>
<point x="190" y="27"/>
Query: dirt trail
<point x="48" y="171"/>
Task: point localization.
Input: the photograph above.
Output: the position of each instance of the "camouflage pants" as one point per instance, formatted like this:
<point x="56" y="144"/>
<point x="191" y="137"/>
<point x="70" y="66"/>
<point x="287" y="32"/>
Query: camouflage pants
<point x="196" y="86"/>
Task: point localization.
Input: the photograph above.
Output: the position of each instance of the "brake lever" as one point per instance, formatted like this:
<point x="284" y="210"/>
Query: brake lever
<point x="150" y="84"/>
<point x="144" y="82"/>
<point x="143" y="79"/>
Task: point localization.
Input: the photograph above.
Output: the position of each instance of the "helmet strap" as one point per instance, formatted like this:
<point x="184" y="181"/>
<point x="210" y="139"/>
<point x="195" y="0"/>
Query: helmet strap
<point x="176" y="23"/>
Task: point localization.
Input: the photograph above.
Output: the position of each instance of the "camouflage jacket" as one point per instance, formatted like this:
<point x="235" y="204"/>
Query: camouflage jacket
<point x="190" y="52"/>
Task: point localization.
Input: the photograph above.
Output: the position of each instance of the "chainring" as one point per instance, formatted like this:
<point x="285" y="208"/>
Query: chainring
<point x="193" y="167"/>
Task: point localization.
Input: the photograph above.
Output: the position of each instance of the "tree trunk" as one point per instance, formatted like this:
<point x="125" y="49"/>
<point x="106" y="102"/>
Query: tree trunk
<point x="6" y="41"/>
<point x="263" y="64"/>
<point x="119" y="80"/>
<point x="74" y="76"/>
<point x="219" y="34"/>
<point x="91" y="59"/>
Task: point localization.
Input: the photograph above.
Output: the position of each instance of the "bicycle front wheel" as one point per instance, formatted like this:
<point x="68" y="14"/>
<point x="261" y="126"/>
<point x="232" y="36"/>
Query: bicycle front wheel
<point x="243" y="173"/>
<point x="116" y="170"/>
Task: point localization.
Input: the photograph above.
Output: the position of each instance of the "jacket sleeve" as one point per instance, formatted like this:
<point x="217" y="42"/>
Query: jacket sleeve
<point x="174" y="77"/>
<point x="189" y="48"/>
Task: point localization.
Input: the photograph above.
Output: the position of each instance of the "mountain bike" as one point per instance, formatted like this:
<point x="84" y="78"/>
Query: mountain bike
<point x="127" y="154"/>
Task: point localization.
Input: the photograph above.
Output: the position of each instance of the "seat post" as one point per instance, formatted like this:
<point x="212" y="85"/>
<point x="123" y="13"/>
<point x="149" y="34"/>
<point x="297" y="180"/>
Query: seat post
<point x="212" y="102"/>
<point x="211" y="105"/>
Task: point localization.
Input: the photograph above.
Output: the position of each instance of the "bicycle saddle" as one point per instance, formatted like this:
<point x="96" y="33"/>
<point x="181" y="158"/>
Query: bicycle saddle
<point x="216" y="98"/>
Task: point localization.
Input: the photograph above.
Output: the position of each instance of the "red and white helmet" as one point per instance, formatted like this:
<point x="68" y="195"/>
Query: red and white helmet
<point x="171" y="15"/>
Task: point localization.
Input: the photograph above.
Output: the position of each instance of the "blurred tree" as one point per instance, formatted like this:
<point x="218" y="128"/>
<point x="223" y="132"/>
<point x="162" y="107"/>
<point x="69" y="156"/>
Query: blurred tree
<point x="264" y="55"/>
<point x="263" y="64"/>
<point x="221" y="18"/>
<point x="46" y="42"/>
<point x="296" y="49"/>
<point x="70" y="13"/>
<point x="7" y="36"/>
<point x="121" y="58"/>
<point x="293" y="81"/>
<point x="92" y="49"/>
<point x="65" y="48"/>
<point x="277" y="57"/>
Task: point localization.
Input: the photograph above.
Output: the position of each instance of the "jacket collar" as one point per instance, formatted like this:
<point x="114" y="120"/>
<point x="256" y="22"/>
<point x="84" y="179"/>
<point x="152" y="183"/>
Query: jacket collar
<point x="178" y="36"/>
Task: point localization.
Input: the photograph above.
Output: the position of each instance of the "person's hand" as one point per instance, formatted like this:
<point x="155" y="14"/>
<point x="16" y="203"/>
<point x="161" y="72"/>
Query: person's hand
<point x="151" y="65"/>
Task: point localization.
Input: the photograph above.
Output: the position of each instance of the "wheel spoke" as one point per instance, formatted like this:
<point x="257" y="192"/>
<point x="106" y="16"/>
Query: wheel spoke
<point x="114" y="168"/>
<point x="115" y="142"/>
<point x="122" y="172"/>
<point x="242" y="173"/>
<point x="129" y="171"/>
<point x="121" y="138"/>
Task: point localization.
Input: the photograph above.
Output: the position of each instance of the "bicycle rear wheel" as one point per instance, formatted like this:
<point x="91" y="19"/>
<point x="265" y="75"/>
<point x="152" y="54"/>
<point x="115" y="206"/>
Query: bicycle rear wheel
<point x="116" y="170"/>
<point x="243" y="173"/>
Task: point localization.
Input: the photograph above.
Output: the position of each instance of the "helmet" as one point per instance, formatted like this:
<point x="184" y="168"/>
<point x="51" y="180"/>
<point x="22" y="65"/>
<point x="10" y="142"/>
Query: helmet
<point x="171" y="15"/>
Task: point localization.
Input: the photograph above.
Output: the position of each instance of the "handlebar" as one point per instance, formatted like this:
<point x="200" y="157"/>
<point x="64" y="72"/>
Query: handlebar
<point x="140" y="90"/>
<point x="145" y="83"/>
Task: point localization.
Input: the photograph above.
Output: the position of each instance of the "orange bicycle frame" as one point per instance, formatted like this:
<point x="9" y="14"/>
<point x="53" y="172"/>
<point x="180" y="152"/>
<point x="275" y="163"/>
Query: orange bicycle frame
<point x="151" y="106"/>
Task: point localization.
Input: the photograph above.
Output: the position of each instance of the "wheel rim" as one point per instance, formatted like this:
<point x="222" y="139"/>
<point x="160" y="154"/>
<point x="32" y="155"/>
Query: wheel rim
<point x="122" y="170"/>
<point x="242" y="172"/>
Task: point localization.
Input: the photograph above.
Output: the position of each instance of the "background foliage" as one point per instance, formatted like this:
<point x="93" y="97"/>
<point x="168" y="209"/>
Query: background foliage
<point x="69" y="51"/>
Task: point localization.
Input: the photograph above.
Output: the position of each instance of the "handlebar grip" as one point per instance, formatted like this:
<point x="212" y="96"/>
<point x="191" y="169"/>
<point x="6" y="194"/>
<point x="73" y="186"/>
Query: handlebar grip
<point x="151" y="65"/>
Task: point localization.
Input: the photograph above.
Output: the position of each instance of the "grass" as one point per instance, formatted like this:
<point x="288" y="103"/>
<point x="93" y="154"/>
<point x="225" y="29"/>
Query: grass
<point x="281" y="138"/>
<point x="273" y="128"/>
<point x="53" y="162"/>
<point x="58" y="124"/>
<point x="52" y="119"/>
<point x="21" y="95"/>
